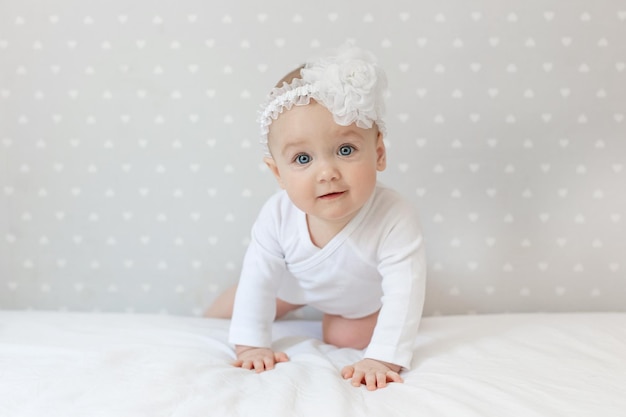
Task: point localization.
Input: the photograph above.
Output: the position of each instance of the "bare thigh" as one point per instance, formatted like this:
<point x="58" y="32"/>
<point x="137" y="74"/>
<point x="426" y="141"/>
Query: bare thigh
<point x="222" y="307"/>
<point x="353" y="333"/>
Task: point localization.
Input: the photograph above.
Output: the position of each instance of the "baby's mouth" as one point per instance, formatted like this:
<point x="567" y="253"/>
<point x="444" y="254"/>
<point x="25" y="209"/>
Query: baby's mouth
<point x="333" y="195"/>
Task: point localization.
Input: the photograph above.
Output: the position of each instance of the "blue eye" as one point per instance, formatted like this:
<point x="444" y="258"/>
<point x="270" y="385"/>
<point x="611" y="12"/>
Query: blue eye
<point x="346" y="150"/>
<point x="303" y="159"/>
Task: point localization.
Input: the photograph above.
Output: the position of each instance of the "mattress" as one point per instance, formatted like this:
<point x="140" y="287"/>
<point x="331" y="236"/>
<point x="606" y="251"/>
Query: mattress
<point x="73" y="364"/>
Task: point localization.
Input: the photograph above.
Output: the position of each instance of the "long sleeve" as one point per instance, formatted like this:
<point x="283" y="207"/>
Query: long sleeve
<point x="403" y="269"/>
<point x="261" y="275"/>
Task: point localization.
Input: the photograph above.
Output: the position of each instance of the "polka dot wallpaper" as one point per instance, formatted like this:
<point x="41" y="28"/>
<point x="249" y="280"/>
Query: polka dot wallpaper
<point x="130" y="170"/>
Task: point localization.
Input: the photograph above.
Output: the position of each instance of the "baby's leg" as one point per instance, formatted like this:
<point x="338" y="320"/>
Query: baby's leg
<point x="343" y="332"/>
<point x="222" y="307"/>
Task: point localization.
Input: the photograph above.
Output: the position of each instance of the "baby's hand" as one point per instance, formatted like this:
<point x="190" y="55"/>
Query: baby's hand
<point x="258" y="359"/>
<point x="374" y="374"/>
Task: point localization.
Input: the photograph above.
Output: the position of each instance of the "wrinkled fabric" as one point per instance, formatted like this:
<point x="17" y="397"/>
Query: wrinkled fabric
<point x="117" y="365"/>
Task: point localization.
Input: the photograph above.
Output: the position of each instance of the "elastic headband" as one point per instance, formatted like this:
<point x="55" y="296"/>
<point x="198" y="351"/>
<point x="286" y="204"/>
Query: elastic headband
<point x="348" y="83"/>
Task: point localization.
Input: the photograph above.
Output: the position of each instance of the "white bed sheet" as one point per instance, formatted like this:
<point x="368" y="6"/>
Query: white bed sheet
<point x="70" y="364"/>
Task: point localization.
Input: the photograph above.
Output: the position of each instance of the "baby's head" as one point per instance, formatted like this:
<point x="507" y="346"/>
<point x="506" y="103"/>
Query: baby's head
<point x="323" y="132"/>
<point x="348" y="83"/>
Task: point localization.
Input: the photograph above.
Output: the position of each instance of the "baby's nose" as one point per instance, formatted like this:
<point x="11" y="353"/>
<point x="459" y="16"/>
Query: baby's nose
<point x="328" y="171"/>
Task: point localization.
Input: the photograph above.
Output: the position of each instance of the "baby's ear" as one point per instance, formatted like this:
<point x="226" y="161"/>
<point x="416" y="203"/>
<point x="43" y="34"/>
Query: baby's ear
<point x="271" y="164"/>
<point x="381" y="153"/>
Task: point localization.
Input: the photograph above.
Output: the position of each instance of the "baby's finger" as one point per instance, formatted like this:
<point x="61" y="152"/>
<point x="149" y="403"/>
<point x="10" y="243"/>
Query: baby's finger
<point x="268" y="362"/>
<point x="394" y="377"/>
<point x="259" y="365"/>
<point x="357" y="378"/>
<point x="381" y="380"/>
<point x="370" y="381"/>
<point x="347" y="372"/>
<point x="281" y="357"/>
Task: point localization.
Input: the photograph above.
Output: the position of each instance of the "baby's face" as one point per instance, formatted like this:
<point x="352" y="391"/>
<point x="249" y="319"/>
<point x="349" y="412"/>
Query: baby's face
<point x="328" y="170"/>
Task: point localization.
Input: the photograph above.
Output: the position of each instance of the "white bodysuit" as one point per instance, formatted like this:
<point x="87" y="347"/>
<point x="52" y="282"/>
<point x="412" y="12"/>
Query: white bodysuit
<point x="376" y="262"/>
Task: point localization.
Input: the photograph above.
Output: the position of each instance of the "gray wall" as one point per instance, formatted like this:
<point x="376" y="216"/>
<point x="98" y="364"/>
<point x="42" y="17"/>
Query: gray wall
<point x="130" y="172"/>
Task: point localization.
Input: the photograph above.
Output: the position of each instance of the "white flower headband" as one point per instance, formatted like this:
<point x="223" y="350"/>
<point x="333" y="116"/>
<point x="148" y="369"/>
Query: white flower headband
<point x="349" y="84"/>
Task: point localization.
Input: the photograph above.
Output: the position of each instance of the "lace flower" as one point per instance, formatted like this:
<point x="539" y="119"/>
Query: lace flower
<point x="349" y="84"/>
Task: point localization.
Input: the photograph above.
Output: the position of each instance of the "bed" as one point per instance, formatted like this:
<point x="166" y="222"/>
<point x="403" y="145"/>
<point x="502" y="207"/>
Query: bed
<point x="78" y="364"/>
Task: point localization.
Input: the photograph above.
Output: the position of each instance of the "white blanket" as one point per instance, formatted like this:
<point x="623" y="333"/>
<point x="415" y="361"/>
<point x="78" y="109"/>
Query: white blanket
<point x="69" y="364"/>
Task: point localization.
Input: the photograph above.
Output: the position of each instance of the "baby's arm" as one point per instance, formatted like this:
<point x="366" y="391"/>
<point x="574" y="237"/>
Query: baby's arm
<point x="258" y="359"/>
<point x="373" y="373"/>
<point x="403" y="270"/>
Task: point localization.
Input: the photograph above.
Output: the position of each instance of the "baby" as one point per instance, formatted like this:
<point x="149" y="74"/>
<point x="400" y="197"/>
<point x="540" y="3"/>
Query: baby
<point x="334" y="238"/>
